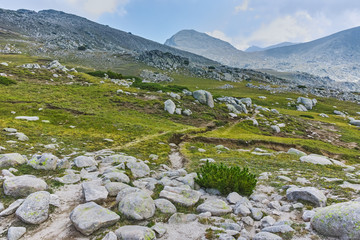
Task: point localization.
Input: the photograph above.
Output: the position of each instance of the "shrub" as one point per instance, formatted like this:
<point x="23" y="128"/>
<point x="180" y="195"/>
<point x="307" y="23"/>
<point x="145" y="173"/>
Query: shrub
<point x="307" y="116"/>
<point x="154" y="87"/>
<point x="111" y="74"/>
<point x="6" y="81"/>
<point x="226" y="179"/>
<point x="82" y="48"/>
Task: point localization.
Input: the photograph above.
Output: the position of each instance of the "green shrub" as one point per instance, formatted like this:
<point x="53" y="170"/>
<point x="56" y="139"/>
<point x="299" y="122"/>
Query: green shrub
<point x="6" y="81"/>
<point x="111" y="74"/>
<point x="154" y="87"/>
<point x="307" y="116"/>
<point x="226" y="179"/>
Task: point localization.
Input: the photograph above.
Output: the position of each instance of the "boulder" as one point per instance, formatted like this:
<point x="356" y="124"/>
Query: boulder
<point x="133" y="232"/>
<point x="169" y="106"/>
<point x="84" y="161"/>
<point x="22" y="186"/>
<point x="35" y="208"/>
<point x="301" y="108"/>
<point x="309" y="194"/>
<point x="266" y="236"/>
<point x="204" y="97"/>
<point x="115" y="187"/>
<point x="182" y="196"/>
<point x="15" y="233"/>
<point x="294" y="151"/>
<point x="340" y="221"/>
<point x="216" y="207"/>
<point x="11" y="160"/>
<point x="46" y="161"/>
<point x="12" y="208"/>
<point x="118" y="176"/>
<point x="110" y="236"/>
<point x="165" y="206"/>
<point x="137" y="205"/>
<point x="316" y="159"/>
<point x="138" y="169"/>
<point x="233" y="198"/>
<point x="94" y="191"/>
<point x="283" y="228"/>
<point x="89" y="217"/>
<point x="355" y="122"/>
<point x="276" y="128"/>
<point x="308" y="103"/>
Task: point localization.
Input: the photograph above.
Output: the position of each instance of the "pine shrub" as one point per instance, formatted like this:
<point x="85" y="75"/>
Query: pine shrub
<point x="6" y="81"/>
<point x="226" y="179"/>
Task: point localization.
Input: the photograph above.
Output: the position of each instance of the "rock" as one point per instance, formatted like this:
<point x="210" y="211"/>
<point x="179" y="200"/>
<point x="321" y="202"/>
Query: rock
<point x="275" y="111"/>
<point x="316" y="159"/>
<point x="69" y="178"/>
<point x="15" y="233"/>
<point x="35" y="208"/>
<point x="284" y="228"/>
<point x="217" y="207"/>
<point x="204" y="97"/>
<point x="233" y="198"/>
<point x="11" y="160"/>
<point x="159" y="229"/>
<point x="54" y="200"/>
<point x="301" y="108"/>
<point x="275" y="128"/>
<point x="256" y="213"/>
<point x="94" y="191"/>
<point x="323" y="115"/>
<point x="27" y="118"/>
<point x="309" y="194"/>
<point x="242" y="210"/>
<point x="138" y="169"/>
<point x="125" y="191"/>
<point x="165" y="206"/>
<point x="89" y="217"/>
<point x="117" y="176"/>
<point x="355" y="122"/>
<point x="180" y="218"/>
<point x="337" y="112"/>
<point x="84" y="161"/>
<point x="308" y="215"/>
<point x="135" y="233"/>
<point x="248" y="221"/>
<point x="46" y="161"/>
<point x="110" y="236"/>
<point x="12" y="208"/>
<point x="296" y="152"/>
<point x="340" y="221"/>
<point x="137" y="205"/>
<point x="266" y="236"/>
<point x="187" y="112"/>
<point x="115" y="187"/>
<point x="21" y="137"/>
<point x="355" y="187"/>
<point x="308" y="103"/>
<point x="267" y="221"/>
<point x="169" y="106"/>
<point x="1" y="207"/>
<point x="22" y="186"/>
<point x="185" y="197"/>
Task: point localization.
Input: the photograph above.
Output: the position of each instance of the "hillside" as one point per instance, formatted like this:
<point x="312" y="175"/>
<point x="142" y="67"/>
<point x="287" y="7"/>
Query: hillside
<point x="258" y="49"/>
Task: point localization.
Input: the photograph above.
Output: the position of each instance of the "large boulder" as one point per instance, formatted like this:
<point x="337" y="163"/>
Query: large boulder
<point x="138" y="169"/>
<point x="133" y="232"/>
<point x="182" y="196"/>
<point x="204" y="97"/>
<point x="46" y="161"/>
<point x="89" y="217"/>
<point x="316" y="159"/>
<point x="35" y="208"/>
<point x="308" y="103"/>
<point x="340" y="221"/>
<point x="309" y="194"/>
<point x="137" y="205"/>
<point x="11" y="159"/>
<point x="22" y="186"/>
<point x="169" y="106"/>
<point x="355" y="122"/>
<point x="84" y="161"/>
<point x="216" y="207"/>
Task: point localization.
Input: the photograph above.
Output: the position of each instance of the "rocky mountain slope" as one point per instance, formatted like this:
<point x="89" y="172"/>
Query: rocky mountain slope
<point x="258" y="49"/>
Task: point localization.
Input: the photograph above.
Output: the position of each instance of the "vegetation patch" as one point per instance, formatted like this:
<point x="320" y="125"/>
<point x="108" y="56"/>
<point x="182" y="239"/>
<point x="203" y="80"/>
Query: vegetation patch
<point x="6" y="81"/>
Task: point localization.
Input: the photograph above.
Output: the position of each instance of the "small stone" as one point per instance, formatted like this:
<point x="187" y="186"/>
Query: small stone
<point x="233" y="198"/>
<point x="266" y="236"/>
<point x="15" y="233"/>
<point x="256" y="213"/>
<point x="185" y="197"/>
<point x="12" y="208"/>
<point x="135" y="233"/>
<point x="110" y="236"/>
<point x="165" y="206"/>
<point x="267" y="221"/>
<point x="217" y="207"/>
<point x="308" y="215"/>
<point x="93" y="191"/>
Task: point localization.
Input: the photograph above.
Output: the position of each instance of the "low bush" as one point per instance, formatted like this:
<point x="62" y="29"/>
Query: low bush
<point x="6" y="81"/>
<point x="226" y="179"/>
<point x="111" y="74"/>
<point x="307" y="116"/>
<point x="154" y="87"/>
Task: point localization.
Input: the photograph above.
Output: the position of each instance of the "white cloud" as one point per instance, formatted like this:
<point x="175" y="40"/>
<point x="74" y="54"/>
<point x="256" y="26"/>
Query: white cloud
<point x="244" y="6"/>
<point x="95" y="8"/>
<point x="220" y="35"/>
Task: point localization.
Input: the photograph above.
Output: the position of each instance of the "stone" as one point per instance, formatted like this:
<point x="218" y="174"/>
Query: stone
<point x="114" y="188"/>
<point x="294" y="151"/>
<point x="267" y="221"/>
<point x="165" y="206"/>
<point x="22" y="186"/>
<point x="316" y="159"/>
<point x="84" y="161"/>
<point x="89" y="217"/>
<point x="159" y="229"/>
<point x="94" y="191"/>
<point x="126" y="191"/>
<point x="110" y="236"/>
<point x="34" y="118"/>
<point x="137" y="205"/>
<point x="275" y="128"/>
<point x="266" y="236"/>
<point x="11" y="160"/>
<point x="12" y="208"/>
<point x="169" y="106"/>
<point x="217" y="207"/>
<point x="35" y="208"/>
<point x="204" y="97"/>
<point x="46" y="161"/>
<point x="21" y="137"/>
<point x="308" y="215"/>
<point x="187" y="112"/>
<point x="301" y="108"/>
<point x="256" y="213"/>
<point x="309" y="194"/>
<point x="180" y="218"/>
<point x="116" y="177"/>
<point x="69" y="178"/>
<point x="284" y="228"/>
<point x="15" y="233"/>
<point x="308" y="103"/>
<point x="355" y="122"/>
<point x="1" y="207"/>
<point x="133" y="232"/>
<point x="242" y="210"/>
<point x="138" y="169"/>
<point x="233" y="198"/>
<point x="248" y="221"/>
<point x="182" y="196"/>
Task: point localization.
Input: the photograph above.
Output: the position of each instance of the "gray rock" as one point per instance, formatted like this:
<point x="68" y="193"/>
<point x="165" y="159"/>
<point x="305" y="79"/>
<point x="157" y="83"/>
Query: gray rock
<point x="126" y="191"/>
<point x="296" y="152"/>
<point x="12" y="208"/>
<point x="275" y="128"/>
<point x="185" y="197"/>
<point x="308" y="215"/>
<point x="159" y="229"/>
<point x="278" y="229"/>
<point x="217" y="207"/>
<point x="337" y="112"/>
<point x="117" y="177"/>
<point x="266" y="236"/>
<point x="165" y="206"/>
<point x="248" y="221"/>
<point x="355" y="122"/>
<point x="115" y="187"/>
<point x="11" y="160"/>
<point x="301" y="108"/>
<point x="46" y="161"/>
<point x="267" y="221"/>
<point x="180" y="218"/>
<point x="21" y="136"/>
<point x="69" y="178"/>
<point x="27" y="118"/>
<point x="316" y="159"/>
<point x="308" y="103"/>
<point x="242" y="210"/>
<point x="233" y="198"/>
<point x="224" y="236"/>
<point x="187" y="112"/>
<point x="1" y="207"/>
<point x="138" y="169"/>
<point x="137" y="205"/>
<point x="94" y="191"/>
<point x="169" y="106"/>
<point x="256" y="213"/>
<point x="89" y="217"/>
<point x="15" y="233"/>
<point x="10" y="130"/>
<point x="110" y="236"/>
<point x="135" y="233"/>
<point x="35" y="208"/>
<point x="22" y="186"/>
<point x="309" y="194"/>
<point x="231" y="226"/>
<point x="204" y="97"/>
<point x="84" y="161"/>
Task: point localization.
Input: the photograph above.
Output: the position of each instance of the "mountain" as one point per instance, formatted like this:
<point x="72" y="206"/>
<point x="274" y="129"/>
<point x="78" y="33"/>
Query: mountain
<point x="258" y="49"/>
<point x="335" y="56"/>
<point x="57" y="30"/>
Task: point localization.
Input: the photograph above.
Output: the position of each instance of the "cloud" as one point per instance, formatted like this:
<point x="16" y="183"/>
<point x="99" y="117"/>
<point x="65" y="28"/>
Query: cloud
<point x="244" y="6"/>
<point x="95" y="8"/>
<point x="220" y="35"/>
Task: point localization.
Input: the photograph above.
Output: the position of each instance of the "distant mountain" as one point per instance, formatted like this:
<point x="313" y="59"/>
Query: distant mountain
<point x="258" y="49"/>
<point x="59" y="30"/>
<point x="336" y="56"/>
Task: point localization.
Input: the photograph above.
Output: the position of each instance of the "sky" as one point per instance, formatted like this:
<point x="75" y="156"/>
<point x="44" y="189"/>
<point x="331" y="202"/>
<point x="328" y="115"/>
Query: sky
<point x="243" y="23"/>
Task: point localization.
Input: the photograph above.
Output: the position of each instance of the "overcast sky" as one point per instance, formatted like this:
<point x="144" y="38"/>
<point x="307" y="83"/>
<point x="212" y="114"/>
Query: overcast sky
<point x="241" y="22"/>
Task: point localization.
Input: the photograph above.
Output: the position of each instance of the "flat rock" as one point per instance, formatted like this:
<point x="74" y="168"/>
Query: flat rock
<point x="117" y="177"/>
<point x="12" y="208"/>
<point x="94" y="191"/>
<point x="204" y="97"/>
<point x="115" y="187"/>
<point x="137" y="205"/>
<point x="22" y="186"/>
<point x="185" y="197"/>
<point x="133" y="232"/>
<point x="84" y="161"/>
<point x="11" y="160"/>
<point x="309" y="194"/>
<point x="46" y="161"/>
<point x="278" y="229"/>
<point x="180" y="218"/>
<point x="27" y="118"/>
<point x="138" y="169"/>
<point x="316" y="159"/>
<point x="35" y="208"/>
<point x="89" y="217"/>
<point x="15" y="233"/>
<point x="110" y="236"/>
<point x="217" y="207"/>
<point x="266" y="236"/>
<point x="294" y="151"/>
<point x="233" y="198"/>
<point x="165" y="206"/>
